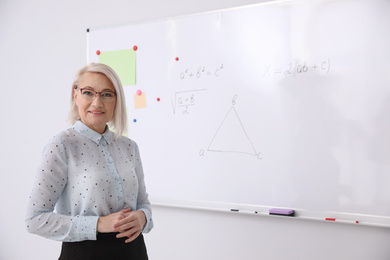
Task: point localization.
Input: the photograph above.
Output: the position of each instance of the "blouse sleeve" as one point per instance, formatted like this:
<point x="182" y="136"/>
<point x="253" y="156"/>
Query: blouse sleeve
<point x="143" y="203"/>
<point x="50" y="180"/>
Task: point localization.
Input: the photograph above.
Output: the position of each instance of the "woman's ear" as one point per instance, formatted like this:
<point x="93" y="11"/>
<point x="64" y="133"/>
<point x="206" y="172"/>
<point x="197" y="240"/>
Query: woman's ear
<point x="75" y="95"/>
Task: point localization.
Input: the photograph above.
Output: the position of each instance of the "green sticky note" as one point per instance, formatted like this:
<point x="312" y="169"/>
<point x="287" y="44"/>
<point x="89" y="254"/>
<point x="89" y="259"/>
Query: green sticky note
<point x="123" y="62"/>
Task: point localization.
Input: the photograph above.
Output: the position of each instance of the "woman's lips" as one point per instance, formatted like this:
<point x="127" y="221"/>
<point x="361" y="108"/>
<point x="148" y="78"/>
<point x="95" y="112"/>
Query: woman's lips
<point x="96" y="112"/>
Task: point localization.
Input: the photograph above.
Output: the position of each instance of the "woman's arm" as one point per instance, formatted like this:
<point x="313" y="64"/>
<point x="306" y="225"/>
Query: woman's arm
<point x="49" y="184"/>
<point x="143" y="203"/>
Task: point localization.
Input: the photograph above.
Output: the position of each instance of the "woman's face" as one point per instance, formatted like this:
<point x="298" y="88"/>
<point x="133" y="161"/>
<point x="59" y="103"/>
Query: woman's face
<point x="94" y="113"/>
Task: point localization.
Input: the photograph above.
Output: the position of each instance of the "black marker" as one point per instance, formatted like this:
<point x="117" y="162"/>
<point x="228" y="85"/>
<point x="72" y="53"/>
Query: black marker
<point x="244" y="211"/>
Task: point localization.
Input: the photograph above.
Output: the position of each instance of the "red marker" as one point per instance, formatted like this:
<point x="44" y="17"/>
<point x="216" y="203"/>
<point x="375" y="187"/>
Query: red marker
<point x="343" y="220"/>
<point x="98" y="52"/>
<point x="135" y="47"/>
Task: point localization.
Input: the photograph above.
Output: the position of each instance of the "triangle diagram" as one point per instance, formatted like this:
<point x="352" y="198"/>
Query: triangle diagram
<point x="231" y="136"/>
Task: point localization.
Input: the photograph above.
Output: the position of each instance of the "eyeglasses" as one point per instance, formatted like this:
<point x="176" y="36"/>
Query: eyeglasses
<point x="90" y="95"/>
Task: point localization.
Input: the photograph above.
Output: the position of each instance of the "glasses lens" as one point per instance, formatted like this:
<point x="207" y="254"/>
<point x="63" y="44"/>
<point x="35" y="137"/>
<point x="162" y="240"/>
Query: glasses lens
<point x="88" y="94"/>
<point x="107" y="96"/>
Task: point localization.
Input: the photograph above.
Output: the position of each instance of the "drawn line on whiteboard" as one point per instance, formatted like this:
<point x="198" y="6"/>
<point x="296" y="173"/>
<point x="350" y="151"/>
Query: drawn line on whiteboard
<point x="184" y="99"/>
<point x="243" y="129"/>
<point x="294" y="69"/>
<point x="189" y="74"/>
<point x="233" y="115"/>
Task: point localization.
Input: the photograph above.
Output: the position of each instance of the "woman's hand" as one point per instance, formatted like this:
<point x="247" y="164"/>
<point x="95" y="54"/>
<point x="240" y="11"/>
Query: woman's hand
<point x="106" y="223"/>
<point x="130" y="225"/>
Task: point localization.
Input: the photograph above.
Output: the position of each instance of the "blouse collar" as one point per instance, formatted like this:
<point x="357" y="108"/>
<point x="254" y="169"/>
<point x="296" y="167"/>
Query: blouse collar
<point x="84" y="130"/>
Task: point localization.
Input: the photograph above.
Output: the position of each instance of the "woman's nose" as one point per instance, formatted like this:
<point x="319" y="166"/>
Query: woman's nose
<point x="97" y="101"/>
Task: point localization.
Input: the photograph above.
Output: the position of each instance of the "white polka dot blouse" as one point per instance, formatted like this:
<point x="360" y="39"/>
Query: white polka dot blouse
<point x="84" y="175"/>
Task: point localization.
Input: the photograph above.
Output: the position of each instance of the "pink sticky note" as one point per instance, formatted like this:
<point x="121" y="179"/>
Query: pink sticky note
<point x="139" y="100"/>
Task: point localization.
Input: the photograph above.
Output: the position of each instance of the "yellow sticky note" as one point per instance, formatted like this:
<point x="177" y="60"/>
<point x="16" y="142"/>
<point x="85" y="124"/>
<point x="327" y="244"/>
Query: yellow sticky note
<point x="139" y="100"/>
<point x="123" y="62"/>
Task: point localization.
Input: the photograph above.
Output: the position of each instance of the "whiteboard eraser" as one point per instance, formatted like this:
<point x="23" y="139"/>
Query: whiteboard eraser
<point x="282" y="212"/>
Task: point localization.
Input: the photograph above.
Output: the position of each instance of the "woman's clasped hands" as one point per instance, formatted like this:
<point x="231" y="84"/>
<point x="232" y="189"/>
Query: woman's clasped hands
<point x="126" y="223"/>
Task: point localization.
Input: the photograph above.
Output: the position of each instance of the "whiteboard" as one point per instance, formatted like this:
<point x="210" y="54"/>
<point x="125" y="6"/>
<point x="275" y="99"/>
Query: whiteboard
<point x="281" y="104"/>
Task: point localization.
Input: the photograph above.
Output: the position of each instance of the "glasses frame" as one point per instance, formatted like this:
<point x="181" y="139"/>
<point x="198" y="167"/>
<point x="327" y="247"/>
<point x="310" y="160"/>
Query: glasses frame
<point x="96" y="93"/>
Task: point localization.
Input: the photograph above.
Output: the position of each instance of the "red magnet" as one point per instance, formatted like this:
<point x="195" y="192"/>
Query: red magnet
<point x="139" y="92"/>
<point x="177" y="59"/>
<point x="158" y="99"/>
<point x="98" y="52"/>
<point x="135" y="47"/>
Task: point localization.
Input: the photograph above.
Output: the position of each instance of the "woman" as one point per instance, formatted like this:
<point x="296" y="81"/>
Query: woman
<point x="92" y="177"/>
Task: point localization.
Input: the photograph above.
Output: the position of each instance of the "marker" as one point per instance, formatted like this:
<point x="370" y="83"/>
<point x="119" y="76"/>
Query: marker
<point x="343" y="220"/>
<point x="244" y="211"/>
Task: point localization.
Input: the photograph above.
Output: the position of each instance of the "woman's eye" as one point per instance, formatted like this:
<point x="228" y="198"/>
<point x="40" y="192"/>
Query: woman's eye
<point x="88" y="93"/>
<point x="107" y="94"/>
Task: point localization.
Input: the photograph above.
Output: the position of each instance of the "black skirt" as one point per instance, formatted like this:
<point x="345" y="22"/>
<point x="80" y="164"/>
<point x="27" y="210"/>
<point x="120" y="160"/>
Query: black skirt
<point x="107" y="246"/>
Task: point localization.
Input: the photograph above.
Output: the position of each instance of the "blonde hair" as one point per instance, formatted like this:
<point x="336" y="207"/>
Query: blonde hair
<point x="118" y="122"/>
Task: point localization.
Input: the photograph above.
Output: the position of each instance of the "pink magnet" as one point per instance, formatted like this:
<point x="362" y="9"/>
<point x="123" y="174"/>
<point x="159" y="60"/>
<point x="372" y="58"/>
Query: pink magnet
<point x="98" y="52"/>
<point x="139" y="92"/>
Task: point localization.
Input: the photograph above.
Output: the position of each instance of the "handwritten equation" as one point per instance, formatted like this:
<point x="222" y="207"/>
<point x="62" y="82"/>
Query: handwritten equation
<point x="296" y="68"/>
<point x="184" y="100"/>
<point x="202" y="72"/>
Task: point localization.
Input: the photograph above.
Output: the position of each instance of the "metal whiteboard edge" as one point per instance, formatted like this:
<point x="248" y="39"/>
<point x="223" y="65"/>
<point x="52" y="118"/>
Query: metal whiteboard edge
<point x="301" y="214"/>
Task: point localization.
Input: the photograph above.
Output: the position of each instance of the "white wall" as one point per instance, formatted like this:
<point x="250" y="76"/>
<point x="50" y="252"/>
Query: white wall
<point x="42" y="45"/>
